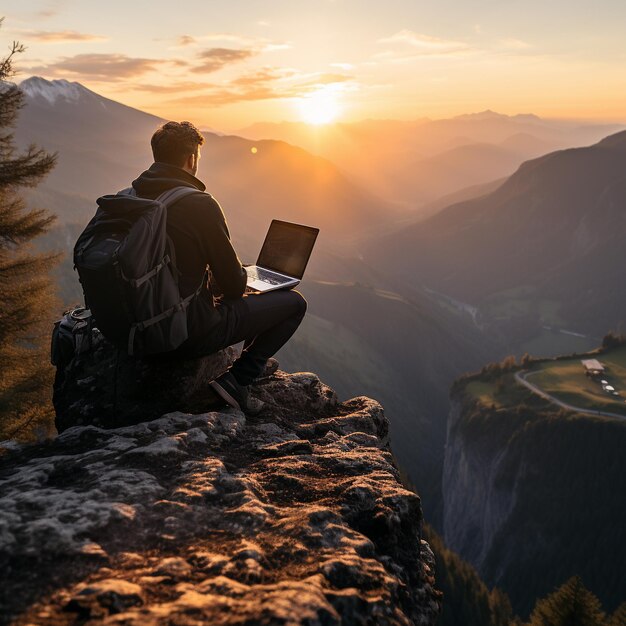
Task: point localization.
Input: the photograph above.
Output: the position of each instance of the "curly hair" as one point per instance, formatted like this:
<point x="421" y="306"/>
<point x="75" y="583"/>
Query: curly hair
<point x="173" y="142"/>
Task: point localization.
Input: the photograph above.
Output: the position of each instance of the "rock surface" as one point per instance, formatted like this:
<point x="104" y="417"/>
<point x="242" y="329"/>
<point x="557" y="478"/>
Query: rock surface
<point x="295" y="517"/>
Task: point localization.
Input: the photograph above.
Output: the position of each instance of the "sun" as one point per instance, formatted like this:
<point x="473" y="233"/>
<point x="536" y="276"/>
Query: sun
<point x="320" y="107"/>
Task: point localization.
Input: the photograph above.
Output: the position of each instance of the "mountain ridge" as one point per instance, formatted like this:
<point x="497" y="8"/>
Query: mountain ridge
<point x="526" y="232"/>
<point x="393" y="158"/>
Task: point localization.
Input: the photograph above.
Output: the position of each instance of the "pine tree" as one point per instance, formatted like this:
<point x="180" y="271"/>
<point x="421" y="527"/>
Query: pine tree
<point x="25" y="286"/>
<point x="501" y="610"/>
<point x="570" y="605"/>
<point x="466" y="599"/>
<point x="619" y="617"/>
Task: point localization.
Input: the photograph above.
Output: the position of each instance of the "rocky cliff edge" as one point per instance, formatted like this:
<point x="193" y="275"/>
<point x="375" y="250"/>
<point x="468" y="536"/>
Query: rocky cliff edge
<point x="295" y="517"/>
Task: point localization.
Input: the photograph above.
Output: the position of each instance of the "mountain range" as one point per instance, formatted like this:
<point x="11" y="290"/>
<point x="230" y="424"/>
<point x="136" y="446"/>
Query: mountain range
<point x="552" y="236"/>
<point x="415" y="162"/>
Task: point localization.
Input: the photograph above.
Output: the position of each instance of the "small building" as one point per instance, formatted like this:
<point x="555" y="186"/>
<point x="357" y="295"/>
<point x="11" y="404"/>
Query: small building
<point x="593" y="367"/>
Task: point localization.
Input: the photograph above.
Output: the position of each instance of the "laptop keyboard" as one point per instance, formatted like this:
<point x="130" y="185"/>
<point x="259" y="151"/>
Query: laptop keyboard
<point x="258" y="273"/>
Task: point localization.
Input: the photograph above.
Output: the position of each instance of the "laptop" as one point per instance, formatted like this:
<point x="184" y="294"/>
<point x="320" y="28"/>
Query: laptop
<point x="283" y="257"/>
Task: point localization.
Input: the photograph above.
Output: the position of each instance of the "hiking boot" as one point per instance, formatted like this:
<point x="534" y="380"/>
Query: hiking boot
<point x="270" y="368"/>
<point x="236" y="395"/>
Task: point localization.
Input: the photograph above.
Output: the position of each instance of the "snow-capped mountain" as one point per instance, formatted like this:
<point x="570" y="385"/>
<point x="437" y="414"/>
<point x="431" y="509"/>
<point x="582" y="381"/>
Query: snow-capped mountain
<point x="99" y="141"/>
<point x="54" y="90"/>
<point x="63" y="98"/>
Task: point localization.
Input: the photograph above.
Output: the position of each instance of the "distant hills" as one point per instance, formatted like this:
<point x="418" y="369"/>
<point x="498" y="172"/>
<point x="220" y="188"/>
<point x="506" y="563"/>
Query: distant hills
<point x="415" y="162"/>
<point x="99" y="140"/>
<point x="549" y="241"/>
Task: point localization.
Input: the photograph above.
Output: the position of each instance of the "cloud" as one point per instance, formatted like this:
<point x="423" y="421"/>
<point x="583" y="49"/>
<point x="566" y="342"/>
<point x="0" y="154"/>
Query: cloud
<point x="241" y="40"/>
<point x="52" y="8"/>
<point x="61" y="36"/>
<point x="261" y="44"/>
<point x="102" y="67"/>
<point x="186" y="40"/>
<point x="264" y="84"/>
<point x="320" y="80"/>
<point x="173" y="87"/>
<point x="257" y="44"/>
<point x="270" y="46"/>
<point x="215" y="59"/>
<point x="425" y="45"/>
<point x="262" y="76"/>
<point x="407" y="45"/>
<point x="222" y="96"/>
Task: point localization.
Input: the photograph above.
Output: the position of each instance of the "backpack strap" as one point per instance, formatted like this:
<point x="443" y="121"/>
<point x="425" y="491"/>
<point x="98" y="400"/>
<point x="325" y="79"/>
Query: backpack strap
<point x="167" y="198"/>
<point x="171" y="196"/>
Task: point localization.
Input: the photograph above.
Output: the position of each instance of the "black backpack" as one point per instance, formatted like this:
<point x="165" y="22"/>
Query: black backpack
<point x="127" y="268"/>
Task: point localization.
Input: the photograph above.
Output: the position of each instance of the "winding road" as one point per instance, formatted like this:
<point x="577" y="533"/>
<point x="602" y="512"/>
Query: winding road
<point x="521" y="377"/>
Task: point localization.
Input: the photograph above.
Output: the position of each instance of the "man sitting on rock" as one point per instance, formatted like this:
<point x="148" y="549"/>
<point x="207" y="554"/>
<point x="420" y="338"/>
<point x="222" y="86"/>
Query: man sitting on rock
<point x="200" y="236"/>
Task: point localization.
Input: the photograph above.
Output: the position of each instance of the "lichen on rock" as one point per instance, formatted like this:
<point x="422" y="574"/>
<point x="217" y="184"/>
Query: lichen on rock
<point x="297" y="516"/>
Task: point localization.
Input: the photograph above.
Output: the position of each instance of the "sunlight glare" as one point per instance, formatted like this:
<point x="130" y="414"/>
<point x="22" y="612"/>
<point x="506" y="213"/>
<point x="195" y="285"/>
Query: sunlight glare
<point x="320" y="107"/>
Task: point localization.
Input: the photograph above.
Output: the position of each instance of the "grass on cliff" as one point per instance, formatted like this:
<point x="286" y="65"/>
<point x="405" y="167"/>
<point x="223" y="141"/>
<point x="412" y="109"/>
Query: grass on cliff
<point x="502" y="392"/>
<point x="566" y="380"/>
<point x="485" y="392"/>
<point x="563" y="378"/>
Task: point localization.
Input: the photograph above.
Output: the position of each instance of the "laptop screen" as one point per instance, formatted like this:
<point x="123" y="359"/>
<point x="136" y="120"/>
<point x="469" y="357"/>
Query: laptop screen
<point x="287" y="248"/>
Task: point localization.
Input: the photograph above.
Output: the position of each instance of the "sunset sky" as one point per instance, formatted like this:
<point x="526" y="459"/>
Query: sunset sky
<point x="227" y="64"/>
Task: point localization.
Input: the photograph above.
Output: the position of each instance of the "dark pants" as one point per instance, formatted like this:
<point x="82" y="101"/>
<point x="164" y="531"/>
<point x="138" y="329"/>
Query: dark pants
<point x="264" y="321"/>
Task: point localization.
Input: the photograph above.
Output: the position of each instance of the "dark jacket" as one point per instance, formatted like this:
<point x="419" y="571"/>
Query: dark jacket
<point x="200" y="236"/>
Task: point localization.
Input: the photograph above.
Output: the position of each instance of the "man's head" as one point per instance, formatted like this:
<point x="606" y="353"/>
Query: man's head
<point x="178" y="143"/>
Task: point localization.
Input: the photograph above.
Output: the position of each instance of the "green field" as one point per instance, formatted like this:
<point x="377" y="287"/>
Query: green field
<point x="566" y="380"/>
<point x="502" y="392"/>
<point x="485" y="392"/>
